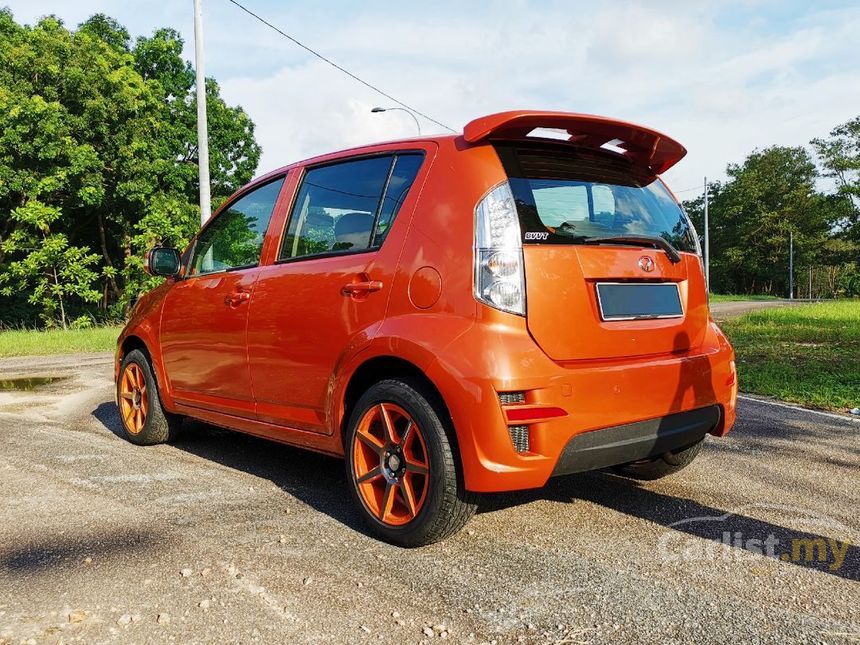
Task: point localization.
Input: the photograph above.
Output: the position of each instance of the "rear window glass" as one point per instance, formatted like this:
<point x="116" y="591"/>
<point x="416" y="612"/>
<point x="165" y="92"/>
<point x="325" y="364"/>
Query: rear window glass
<point x="568" y="196"/>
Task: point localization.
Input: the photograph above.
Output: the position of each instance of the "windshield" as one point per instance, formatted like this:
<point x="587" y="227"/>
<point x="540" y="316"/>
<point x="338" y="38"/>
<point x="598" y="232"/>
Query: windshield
<point x="568" y="196"/>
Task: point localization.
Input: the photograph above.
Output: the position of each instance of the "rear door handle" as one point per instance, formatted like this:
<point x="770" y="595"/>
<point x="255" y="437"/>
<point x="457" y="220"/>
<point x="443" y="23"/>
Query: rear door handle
<point x="237" y="298"/>
<point x="362" y="288"/>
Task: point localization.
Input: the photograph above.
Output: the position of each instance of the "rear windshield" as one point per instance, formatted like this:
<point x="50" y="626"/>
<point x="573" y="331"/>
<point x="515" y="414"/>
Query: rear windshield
<point x="571" y="196"/>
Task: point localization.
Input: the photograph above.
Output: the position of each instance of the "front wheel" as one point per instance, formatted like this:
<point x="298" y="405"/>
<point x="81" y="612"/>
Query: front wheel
<point x="401" y="467"/>
<point x="144" y="421"/>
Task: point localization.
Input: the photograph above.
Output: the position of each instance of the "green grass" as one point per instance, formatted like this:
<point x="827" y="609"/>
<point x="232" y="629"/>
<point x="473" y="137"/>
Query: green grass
<point x="27" y="342"/>
<point x="808" y="354"/>
<point x="723" y="297"/>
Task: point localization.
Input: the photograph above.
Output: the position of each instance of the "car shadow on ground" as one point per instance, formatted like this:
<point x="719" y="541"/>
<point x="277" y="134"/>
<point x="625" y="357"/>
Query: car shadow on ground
<point x="320" y="482"/>
<point x="825" y="545"/>
<point x="59" y="552"/>
<point x="315" y="479"/>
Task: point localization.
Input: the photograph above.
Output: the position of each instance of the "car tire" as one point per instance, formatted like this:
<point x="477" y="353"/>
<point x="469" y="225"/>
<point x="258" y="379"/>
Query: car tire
<point x="144" y="421"/>
<point x="666" y="464"/>
<point x="401" y="465"/>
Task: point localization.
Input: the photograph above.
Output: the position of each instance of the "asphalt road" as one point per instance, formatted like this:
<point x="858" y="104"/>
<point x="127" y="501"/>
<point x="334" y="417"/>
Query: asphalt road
<point x="226" y="538"/>
<point x="723" y="310"/>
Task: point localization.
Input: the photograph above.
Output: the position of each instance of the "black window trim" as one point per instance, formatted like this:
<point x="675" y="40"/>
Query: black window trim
<point x="372" y="239"/>
<point x="332" y="162"/>
<point x="246" y="190"/>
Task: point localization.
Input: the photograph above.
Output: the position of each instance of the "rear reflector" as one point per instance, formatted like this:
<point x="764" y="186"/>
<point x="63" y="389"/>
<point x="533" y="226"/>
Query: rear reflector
<point x="733" y="376"/>
<point x="519" y="437"/>
<point x="512" y="398"/>
<point x="534" y="414"/>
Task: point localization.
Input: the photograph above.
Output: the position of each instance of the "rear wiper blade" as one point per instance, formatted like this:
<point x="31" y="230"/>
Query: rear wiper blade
<point x="643" y="240"/>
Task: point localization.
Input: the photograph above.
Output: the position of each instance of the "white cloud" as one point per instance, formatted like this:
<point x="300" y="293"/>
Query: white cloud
<point x="721" y="78"/>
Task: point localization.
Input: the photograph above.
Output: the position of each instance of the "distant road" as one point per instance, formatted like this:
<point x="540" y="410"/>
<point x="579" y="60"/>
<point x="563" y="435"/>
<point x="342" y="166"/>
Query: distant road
<point x="723" y="310"/>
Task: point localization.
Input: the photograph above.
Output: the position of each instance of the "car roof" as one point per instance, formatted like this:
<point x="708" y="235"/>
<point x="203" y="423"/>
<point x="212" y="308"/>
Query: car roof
<point x="368" y="148"/>
<point x="643" y="146"/>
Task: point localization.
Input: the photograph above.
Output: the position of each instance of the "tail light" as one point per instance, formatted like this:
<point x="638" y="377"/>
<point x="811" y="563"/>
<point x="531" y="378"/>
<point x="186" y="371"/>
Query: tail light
<point x="499" y="275"/>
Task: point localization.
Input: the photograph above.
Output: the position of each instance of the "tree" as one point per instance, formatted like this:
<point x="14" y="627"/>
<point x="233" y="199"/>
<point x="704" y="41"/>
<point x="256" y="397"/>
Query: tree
<point x="771" y="195"/>
<point x="840" y="157"/>
<point x="51" y="269"/>
<point x="98" y="152"/>
<point x="234" y="153"/>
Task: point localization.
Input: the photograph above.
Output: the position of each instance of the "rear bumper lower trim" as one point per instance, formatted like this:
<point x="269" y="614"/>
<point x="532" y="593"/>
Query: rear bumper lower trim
<point x="633" y="441"/>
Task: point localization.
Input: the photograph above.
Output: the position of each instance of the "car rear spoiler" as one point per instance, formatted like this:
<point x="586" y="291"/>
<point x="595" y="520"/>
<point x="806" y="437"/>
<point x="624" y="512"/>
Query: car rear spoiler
<point x="643" y="146"/>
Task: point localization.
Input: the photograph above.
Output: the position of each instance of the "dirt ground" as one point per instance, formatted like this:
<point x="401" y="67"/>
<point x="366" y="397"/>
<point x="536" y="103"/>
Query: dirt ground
<point x="221" y="537"/>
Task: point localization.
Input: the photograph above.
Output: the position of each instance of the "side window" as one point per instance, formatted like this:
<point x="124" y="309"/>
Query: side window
<point x="235" y="238"/>
<point x="335" y="207"/>
<point x="348" y="206"/>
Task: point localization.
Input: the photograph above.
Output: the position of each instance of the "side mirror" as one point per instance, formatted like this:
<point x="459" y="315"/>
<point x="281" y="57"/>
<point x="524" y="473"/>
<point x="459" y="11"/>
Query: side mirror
<point x="163" y="261"/>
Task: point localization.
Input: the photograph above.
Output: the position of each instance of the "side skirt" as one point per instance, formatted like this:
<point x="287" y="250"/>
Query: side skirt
<point x="326" y="444"/>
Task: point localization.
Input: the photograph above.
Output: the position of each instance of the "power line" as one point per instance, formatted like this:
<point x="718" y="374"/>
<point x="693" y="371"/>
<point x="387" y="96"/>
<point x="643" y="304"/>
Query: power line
<point x="687" y="190"/>
<point x="339" y="68"/>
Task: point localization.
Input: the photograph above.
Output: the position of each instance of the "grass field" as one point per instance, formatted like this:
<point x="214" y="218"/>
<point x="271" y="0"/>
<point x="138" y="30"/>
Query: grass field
<point x="722" y="297"/>
<point x="27" y="342"/>
<point x="808" y="354"/>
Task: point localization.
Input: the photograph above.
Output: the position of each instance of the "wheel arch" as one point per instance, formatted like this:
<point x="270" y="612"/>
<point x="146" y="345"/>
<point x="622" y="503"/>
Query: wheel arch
<point x="140" y="342"/>
<point x="382" y="367"/>
<point x="131" y="343"/>
<point x="379" y="368"/>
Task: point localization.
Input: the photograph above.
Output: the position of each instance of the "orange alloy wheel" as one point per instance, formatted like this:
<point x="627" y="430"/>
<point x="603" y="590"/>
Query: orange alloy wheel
<point x="133" y="400"/>
<point x="390" y="464"/>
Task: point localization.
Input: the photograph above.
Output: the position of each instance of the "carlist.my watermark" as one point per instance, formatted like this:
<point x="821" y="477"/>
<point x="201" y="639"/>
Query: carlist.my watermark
<point x="756" y="531"/>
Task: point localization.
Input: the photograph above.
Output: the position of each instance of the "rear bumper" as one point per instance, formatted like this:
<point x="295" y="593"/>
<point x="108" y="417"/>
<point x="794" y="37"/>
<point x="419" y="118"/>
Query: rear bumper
<point x="579" y="415"/>
<point x="633" y="441"/>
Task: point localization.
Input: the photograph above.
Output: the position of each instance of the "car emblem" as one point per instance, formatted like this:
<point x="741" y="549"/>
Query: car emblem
<point x="646" y="263"/>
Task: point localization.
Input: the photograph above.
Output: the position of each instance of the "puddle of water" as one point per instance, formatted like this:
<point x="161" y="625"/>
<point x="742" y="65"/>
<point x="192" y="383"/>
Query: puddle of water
<point x="28" y="383"/>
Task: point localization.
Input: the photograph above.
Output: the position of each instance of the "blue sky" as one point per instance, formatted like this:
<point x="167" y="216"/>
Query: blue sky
<point x="723" y="78"/>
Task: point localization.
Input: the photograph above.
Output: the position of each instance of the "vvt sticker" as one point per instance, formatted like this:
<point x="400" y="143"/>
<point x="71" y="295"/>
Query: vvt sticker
<point x="534" y="235"/>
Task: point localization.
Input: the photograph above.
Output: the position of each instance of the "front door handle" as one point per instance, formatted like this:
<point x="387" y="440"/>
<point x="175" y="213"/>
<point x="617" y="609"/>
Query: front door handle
<point x="362" y="288"/>
<point x="237" y="298"/>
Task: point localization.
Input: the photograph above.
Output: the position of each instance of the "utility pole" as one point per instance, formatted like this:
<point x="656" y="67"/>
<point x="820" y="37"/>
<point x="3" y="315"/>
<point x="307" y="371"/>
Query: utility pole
<point x="810" y="283"/>
<point x="202" y="130"/>
<point x="791" y="265"/>
<point x="707" y="243"/>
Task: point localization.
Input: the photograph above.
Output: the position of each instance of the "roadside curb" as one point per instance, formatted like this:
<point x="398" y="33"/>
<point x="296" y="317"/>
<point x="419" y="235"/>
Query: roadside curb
<point x="797" y="408"/>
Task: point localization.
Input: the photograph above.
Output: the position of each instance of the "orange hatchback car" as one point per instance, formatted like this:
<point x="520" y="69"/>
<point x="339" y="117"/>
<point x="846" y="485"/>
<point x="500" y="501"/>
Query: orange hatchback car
<point x="451" y="314"/>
